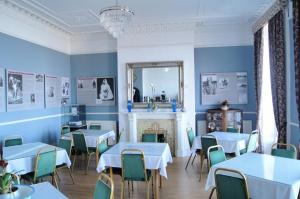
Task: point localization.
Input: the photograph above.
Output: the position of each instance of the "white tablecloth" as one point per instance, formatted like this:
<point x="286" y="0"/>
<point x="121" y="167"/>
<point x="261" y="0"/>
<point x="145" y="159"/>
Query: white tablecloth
<point x="91" y="136"/>
<point x="21" y="158"/>
<point x="157" y="156"/>
<point x="231" y="142"/>
<point x="267" y="176"/>
<point x="45" y="190"/>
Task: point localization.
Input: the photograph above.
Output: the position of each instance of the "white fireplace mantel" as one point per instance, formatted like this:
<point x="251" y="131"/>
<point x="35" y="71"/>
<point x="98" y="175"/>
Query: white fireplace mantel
<point x="181" y="148"/>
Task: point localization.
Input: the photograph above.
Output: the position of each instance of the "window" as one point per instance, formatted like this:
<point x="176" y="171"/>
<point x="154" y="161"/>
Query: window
<point x="266" y="122"/>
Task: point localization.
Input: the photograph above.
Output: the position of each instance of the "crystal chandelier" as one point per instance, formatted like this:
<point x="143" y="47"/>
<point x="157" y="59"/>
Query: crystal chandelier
<point x="115" y="19"/>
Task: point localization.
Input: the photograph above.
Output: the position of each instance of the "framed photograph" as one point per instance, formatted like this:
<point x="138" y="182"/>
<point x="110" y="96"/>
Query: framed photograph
<point x="105" y="91"/>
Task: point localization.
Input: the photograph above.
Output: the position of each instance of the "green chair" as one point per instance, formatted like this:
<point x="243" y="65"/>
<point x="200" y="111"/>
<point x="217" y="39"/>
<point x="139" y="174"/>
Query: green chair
<point x="13" y="140"/>
<point x="252" y="143"/>
<point x="95" y="127"/>
<point x="65" y="129"/>
<point x="215" y="155"/>
<point x="284" y="150"/>
<point x="149" y="137"/>
<point x="67" y="145"/>
<point x="133" y="169"/>
<point x="206" y="142"/>
<point x="231" y="184"/>
<point x="104" y="187"/>
<point x="80" y="147"/>
<point x="101" y="147"/>
<point x="232" y="130"/>
<point x="191" y="138"/>
<point x="45" y="165"/>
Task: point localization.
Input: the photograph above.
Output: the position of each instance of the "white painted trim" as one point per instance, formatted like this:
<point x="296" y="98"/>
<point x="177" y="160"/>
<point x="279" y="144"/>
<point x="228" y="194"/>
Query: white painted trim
<point x="249" y="113"/>
<point x="30" y="119"/>
<point x="294" y="124"/>
<point x="102" y="113"/>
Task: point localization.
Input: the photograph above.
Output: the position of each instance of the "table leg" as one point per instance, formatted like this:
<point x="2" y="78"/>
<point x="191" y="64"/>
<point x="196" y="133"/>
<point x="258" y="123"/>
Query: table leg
<point x="156" y="194"/>
<point x="111" y="176"/>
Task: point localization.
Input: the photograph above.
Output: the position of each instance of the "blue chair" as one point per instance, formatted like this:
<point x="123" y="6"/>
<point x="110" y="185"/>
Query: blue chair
<point x="104" y="187"/>
<point x="206" y="141"/>
<point x="215" y="155"/>
<point x="284" y="150"/>
<point x="149" y="137"/>
<point x="65" y="129"/>
<point x="13" y="140"/>
<point x="231" y="184"/>
<point x="232" y="130"/>
<point x="252" y="143"/>
<point x="191" y="138"/>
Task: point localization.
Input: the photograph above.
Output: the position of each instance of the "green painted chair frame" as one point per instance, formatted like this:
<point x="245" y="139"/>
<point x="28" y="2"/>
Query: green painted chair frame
<point x="228" y="180"/>
<point x="67" y="145"/>
<point x="284" y="150"/>
<point x="134" y="169"/>
<point x="81" y="147"/>
<point x="45" y="165"/>
<point x="149" y="137"/>
<point x="13" y="140"/>
<point x="191" y="137"/>
<point x="95" y="127"/>
<point x="252" y="142"/>
<point x="104" y="187"/>
<point x="206" y="142"/>
<point x="65" y="129"/>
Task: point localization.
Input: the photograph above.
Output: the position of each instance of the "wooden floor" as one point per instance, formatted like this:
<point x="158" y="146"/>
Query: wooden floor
<point x="180" y="184"/>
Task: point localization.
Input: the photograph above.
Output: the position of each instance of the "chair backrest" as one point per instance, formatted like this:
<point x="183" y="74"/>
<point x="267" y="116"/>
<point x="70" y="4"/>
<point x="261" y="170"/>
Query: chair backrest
<point x="104" y="187"/>
<point x="65" y="144"/>
<point x="65" y="130"/>
<point x="133" y="165"/>
<point x="208" y="141"/>
<point x="120" y="135"/>
<point x="191" y="136"/>
<point x="231" y="184"/>
<point x="149" y="137"/>
<point x="215" y="155"/>
<point x="284" y="150"/>
<point x="95" y="127"/>
<point x="79" y="142"/>
<point x="252" y="142"/>
<point x="13" y="140"/>
<point x="232" y="130"/>
<point x="102" y="146"/>
<point x="45" y="163"/>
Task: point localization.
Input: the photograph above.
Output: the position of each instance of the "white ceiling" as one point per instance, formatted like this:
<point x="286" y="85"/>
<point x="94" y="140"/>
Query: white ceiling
<point x="77" y="16"/>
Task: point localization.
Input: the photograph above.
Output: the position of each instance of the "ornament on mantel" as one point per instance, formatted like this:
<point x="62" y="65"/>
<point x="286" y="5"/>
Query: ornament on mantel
<point x="224" y="105"/>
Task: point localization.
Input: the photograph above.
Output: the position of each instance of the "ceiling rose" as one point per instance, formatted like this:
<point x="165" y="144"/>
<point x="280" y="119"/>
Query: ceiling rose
<point x="115" y="19"/>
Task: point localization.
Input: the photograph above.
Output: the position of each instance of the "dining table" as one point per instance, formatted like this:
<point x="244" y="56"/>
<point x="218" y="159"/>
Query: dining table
<point x="92" y="136"/>
<point x="267" y="176"/>
<point x="46" y="191"/>
<point x="231" y="142"/>
<point x="156" y="157"/>
<point x="21" y="158"/>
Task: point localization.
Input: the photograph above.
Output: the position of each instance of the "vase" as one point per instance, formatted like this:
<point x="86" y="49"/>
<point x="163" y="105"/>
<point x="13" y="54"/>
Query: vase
<point x="225" y="107"/>
<point x="22" y="192"/>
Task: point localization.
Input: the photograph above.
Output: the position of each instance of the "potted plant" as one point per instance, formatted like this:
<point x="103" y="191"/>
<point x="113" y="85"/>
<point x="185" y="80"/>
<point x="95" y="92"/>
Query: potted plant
<point x="224" y="105"/>
<point x="6" y="179"/>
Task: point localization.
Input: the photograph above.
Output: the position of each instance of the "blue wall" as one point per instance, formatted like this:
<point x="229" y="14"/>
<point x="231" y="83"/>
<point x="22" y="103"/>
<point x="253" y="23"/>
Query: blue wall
<point x="226" y="59"/>
<point x="94" y="65"/>
<point x="17" y="54"/>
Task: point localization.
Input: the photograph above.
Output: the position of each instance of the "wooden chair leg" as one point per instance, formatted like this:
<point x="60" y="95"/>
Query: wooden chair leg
<point x="74" y="162"/>
<point x="148" y="190"/>
<point x="194" y="159"/>
<point x="160" y="182"/>
<point x="122" y="190"/>
<point x="132" y="186"/>
<point x="201" y="166"/>
<point x="55" y="182"/>
<point x="88" y="163"/>
<point x="211" y="193"/>
<point x="56" y="172"/>
<point x="71" y="175"/>
<point x="187" y="164"/>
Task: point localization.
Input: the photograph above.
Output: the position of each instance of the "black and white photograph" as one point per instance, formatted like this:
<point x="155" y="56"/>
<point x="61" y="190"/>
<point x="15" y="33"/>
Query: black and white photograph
<point x="1" y="81"/>
<point x="51" y="92"/>
<point x="14" y="92"/>
<point x="209" y="84"/>
<point x="105" y="89"/>
<point x="66" y="88"/>
<point x="32" y="98"/>
<point x="39" y="78"/>
<point x="223" y="83"/>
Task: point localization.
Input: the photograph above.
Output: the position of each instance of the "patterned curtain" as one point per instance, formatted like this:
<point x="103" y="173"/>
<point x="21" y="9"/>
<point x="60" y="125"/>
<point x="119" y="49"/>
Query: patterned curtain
<point x="296" y="26"/>
<point x="258" y="61"/>
<point x="278" y="73"/>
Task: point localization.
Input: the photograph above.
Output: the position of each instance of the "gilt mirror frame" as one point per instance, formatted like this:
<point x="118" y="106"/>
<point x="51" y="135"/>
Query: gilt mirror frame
<point x="130" y="78"/>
